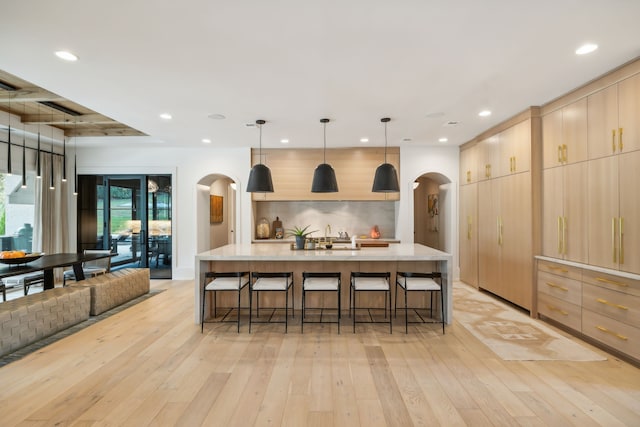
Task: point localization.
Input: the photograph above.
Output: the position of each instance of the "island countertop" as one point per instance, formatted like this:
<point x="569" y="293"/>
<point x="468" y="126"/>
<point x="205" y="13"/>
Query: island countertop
<point x="280" y="252"/>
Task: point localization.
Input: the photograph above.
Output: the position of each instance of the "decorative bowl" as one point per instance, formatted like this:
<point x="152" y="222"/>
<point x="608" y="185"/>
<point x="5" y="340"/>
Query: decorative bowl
<point x="22" y="260"/>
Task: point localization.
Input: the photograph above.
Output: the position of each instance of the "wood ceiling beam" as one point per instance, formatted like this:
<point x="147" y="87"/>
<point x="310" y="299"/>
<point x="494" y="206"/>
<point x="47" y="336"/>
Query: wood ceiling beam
<point x="65" y="119"/>
<point x="30" y="94"/>
<point x="115" y="131"/>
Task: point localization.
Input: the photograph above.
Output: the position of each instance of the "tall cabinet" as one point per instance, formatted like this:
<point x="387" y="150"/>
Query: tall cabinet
<point x="502" y="194"/>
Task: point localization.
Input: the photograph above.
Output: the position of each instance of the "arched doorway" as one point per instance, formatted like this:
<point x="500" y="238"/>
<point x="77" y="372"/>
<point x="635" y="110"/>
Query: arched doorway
<point x="216" y="212"/>
<point x="432" y="200"/>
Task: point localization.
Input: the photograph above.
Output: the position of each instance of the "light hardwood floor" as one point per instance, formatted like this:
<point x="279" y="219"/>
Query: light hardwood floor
<point x="149" y="365"/>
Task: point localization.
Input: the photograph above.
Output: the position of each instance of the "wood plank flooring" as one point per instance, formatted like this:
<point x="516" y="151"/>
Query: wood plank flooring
<point x="150" y="365"/>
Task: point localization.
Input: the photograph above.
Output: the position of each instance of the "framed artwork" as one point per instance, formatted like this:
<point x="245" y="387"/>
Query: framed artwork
<point x="215" y="209"/>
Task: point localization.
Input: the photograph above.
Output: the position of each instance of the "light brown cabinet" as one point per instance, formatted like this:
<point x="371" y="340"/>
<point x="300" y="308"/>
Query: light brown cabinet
<point x="469" y="234"/>
<point x="564" y="135"/>
<point x="469" y="165"/>
<point x="292" y="173"/>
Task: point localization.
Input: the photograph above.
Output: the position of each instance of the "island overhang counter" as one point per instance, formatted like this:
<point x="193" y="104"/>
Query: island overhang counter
<point x="279" y="257"/>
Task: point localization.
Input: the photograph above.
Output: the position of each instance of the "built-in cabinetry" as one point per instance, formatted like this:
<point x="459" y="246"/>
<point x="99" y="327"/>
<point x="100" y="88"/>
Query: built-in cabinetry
<point x="603" y="305"/>
<point x="497" y="215"/>
<point x="292" y="173"/>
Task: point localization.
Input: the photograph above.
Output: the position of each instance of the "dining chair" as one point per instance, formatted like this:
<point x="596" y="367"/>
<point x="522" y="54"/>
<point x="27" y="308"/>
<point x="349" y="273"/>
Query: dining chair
<point x="91" y="268"/>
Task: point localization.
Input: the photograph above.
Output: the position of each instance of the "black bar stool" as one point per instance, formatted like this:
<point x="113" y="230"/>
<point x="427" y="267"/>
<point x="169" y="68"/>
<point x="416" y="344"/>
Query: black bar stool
<point x="320" y="282"/>
<point x="370" y="282"/>
<point x="271" y="282"/>
<point x="223" y="282"/>
<point x="419" y="282"/>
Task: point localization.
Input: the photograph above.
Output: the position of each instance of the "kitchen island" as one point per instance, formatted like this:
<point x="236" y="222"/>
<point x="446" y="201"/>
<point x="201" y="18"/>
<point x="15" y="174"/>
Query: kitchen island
<point x="279" y="257"/>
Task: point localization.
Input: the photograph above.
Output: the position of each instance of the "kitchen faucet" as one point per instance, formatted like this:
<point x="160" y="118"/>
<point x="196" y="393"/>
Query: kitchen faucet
<point x="327" y="231"/>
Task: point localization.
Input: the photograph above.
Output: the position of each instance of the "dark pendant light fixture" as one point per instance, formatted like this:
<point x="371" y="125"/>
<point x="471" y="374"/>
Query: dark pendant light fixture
<point x="51" y="183"/>
<point x="24" y="163"/>
<point x="64" y="159"/>
<point x="38" y="165"/>
<point x="260" y="175"/>
<point x="9" y="145"/>
<point x="324" y="177"/>
<point x="75" y="158"/>
<point x="386" y="179"/>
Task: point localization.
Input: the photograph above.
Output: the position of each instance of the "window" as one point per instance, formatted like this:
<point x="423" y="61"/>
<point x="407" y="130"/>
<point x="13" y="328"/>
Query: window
<point x="17" y="212"/>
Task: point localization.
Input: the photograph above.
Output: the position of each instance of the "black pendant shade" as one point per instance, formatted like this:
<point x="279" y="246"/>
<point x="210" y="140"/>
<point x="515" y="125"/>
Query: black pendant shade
<point x="260" y="175"/>
<point x="386" y="178"/>
<point x="324" y="177"/>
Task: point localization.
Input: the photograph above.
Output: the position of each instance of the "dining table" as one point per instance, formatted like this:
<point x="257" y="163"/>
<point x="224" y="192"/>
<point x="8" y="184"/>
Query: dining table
<point x="47" y="263"/>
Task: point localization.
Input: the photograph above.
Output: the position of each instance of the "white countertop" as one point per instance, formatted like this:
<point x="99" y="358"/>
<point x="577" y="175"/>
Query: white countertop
<point x="280" y="252"/>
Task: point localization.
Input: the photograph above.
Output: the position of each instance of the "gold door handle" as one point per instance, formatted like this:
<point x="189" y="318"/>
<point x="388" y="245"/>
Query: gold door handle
<point x="468" y="176"/>
<point x="620" y="240"/>
<point x="559" y="153"/>
<point x="514" y="164"/>
<point x="553" y="285"/>
<point x="619" y="336"/>
<point x="620" y="144"/>
<point x="489" y="170"/>
<point x="613" y="140"/>
<point x="611" y="282"/>
<point x="469" y="227"/>
<point x="560" y="235"/>
<point x="560" y="269"/>
<point x="552" y="308"/>
<point x="564" y="153"/>
<point x="611" y="304"/>
<point x="564" y="235"/>
<point x="613" y="239"/>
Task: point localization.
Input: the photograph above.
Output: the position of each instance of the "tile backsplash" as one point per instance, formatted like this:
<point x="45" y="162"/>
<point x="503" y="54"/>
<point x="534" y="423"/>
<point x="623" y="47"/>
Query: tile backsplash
<point x="354" y="217"/>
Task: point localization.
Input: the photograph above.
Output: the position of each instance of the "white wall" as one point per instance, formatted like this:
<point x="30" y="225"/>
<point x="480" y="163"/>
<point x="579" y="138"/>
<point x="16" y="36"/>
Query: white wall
<point x="189" y="166"/>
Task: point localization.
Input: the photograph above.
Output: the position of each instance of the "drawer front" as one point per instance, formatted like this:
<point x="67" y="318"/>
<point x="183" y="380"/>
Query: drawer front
<point x="560" y="270"/>
<point x="561" y="311"/>
<point x="610" y="281"/>
<point x="566" y="289"/>
<point x="615" y="334"/>
<point x="617" y="305"/>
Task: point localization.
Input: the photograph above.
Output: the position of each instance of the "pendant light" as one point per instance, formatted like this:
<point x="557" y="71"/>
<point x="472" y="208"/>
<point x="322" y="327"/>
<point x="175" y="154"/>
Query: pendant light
<point x="75" y="158"/>
<point x="64" y="159"/>
<point x="9" y="144"/>
<point x="24" y="163"/>
<point x="260" y="175"/>
<point x="38" y="165"/>
<point x="324" y="177"/>
<point x="386" y="178"/>
<point x="51" y="183"/>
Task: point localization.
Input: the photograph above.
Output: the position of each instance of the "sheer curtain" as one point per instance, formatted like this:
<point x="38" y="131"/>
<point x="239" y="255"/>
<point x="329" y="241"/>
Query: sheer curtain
<point x="51" y="225"/>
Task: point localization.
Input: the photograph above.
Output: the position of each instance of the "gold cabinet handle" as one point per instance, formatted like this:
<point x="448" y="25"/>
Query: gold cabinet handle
<point x="552" y="308"/>
<point x="489" y="170"/>
<point x="611" y="304"/>
<point x="620" y="144"/>
<point x="564" y="153"/>
<point x="560" y="269"/>
<point x="553" y="285"/>
<point x="611" y="282"/>
<point x="469" y="227"/>
<point x="613" y="239"/>
<point x="564" y="235"/>
<point x="486" y="171"/>
<point x="620" y="240"/>
<point x="514" y="164"/>
<point x="468" y="176"/>
<point x="613" y="140"/>
<point x="619" y="336"/>
<point x="559" y="153"/>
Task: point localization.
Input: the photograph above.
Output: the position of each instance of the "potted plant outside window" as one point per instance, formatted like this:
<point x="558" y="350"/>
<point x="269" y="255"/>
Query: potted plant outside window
<point x="300" y="234"/>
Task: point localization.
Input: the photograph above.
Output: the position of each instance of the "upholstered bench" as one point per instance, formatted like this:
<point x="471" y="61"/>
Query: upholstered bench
<point x="115" y="288"/>
<point x="30" y="318"/>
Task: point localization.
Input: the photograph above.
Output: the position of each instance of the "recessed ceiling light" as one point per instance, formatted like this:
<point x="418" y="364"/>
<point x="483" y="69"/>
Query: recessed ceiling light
<point x="586" y="48"/>
<point x="166" y="116"/>
<point x="363" y="140"/>
<point x="443" y="140"/>
<point x="67" y="56"/>
<point x="484" y="113"/>
<point x="206" y="140"/>
<point x="217" y="116"/>
<point x="284" y="141"/>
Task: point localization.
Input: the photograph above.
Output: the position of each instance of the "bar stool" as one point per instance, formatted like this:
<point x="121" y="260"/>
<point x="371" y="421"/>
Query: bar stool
<point x="271" y="282"/>
<point x="370" y="282"/>
<point x="223" y="282"/>
<point x="320" y="282"/>
<point x="423" y="282"/>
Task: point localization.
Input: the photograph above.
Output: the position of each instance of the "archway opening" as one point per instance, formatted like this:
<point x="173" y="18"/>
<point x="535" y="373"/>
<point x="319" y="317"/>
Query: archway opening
<point x="216" y="206"/>
<point x="432" y="208"/>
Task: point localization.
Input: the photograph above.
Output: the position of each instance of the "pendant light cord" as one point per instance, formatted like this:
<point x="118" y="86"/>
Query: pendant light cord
<point x="385" y="142"/>
<point x="324" y="150"/>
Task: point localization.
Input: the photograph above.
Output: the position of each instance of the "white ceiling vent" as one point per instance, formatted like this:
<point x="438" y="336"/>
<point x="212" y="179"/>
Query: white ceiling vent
<point x="451" y="123"/>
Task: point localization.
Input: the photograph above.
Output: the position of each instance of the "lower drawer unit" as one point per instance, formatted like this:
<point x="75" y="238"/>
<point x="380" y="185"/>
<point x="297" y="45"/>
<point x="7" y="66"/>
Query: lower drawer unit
<point x="560" y="310"/>
<point x="613" y="333"/>
<point x="616" y="305"/>
<point x="560" y="287"/>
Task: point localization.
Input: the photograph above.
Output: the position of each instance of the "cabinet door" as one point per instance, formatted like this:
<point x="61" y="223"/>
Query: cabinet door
<point x="602" y="191"/>
<point x="575" y="205"/>
<point x="552" y="139"/>
<point x="602" y="122"/>
<point x="630" y="212"/>
<point x="488" y="235"/>
<point x="552" y="212"/>
<point x="516" y="281"/>
<point x="629" y="114"/>
<point x="488" y="155"/>
<point x="515" y="149"/>
<point x="469" y="234"/>
<point x="574" y="132"/>
<point x="468" y="165"/>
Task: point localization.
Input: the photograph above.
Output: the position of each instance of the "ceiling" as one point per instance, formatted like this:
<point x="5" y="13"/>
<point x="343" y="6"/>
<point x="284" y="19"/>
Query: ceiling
<point x="424" y="63"/>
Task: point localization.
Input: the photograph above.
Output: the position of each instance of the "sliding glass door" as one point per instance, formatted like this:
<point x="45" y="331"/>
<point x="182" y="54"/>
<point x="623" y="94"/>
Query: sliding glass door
<point x="129" y="214"/>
